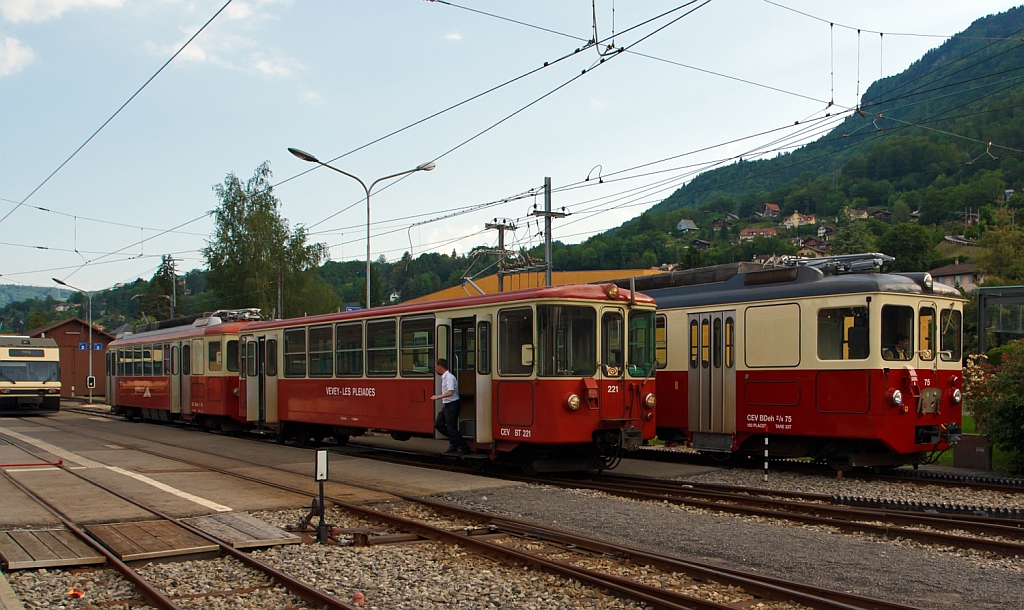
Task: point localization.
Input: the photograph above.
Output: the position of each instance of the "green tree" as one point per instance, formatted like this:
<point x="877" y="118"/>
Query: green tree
<point x="911" y="245"/>
<point x="157" y="301"/>
<point x="853" y="238"/>
<point x="37" y="319"/>
<point x="1001" y="406"/>
<point x="253" y="252"/>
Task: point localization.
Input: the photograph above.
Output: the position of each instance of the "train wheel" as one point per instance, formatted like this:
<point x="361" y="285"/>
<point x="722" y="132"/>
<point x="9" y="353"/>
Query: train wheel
<point x="401" y="436"/>
<point x="526" y="463"/>
<point x="280" y="437"/>
<point x="341" y="439"/>
<point x="480" y="465"/>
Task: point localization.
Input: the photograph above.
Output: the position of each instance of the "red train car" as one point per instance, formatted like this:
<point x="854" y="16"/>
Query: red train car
<point x="187" y="372"/>
<point x="857" y="369"/>
<point x="559" y="377"/>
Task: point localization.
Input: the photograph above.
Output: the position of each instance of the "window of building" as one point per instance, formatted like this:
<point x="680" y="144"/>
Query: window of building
<point x="418" y="347"/>
<point x="381" y="348"/>
<point x="350" y="350"/>
<point x="295" y="352"/>
<point x="515" y="331"/>
<point x="897" y="332"/>
<point x="843" y="333"/>
<point x="321" y="351"/>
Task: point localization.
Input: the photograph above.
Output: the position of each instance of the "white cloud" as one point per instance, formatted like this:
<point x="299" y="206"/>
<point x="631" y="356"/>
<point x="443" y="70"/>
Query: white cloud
<point x="312" y="97"/>
<point x="40" y="10"/>
<point x="275" y="65"/>
<point x="455" y="37"/>
<point x="14" y="56"/>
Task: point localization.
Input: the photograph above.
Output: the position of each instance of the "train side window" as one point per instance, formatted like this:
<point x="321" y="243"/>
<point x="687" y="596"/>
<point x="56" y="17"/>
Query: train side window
<point x="250" y="358"/>
<point x="640" y="344"/>
<point x="716" y="346"/>
<point x="730" y="342"/>
<point x="897" y="332"/>
<point x="147" y="360"/>
<point x="215" y="361"/>
<point x="381" y="348"/>
<point x="186" y="359"/>
<point x="566" y="340"/>
<point x="167" y="359"/>
<point x="515" y="332"/>
<point x="231" y="356"/>
<point x="350" y="350"/>
<point x="120" y="362"/>
<point x="158" y="359"/>
<point x="137" y="361"/>
<point x="950" y="339"/>
<point x="295" y="352"/>
<point x="705" y="343"/>
<point x="270" y="362"/>
<point x="321" y="351"/>
<point x="661" y="341"/>
<point x="926" y="330"/>
<point x="843" y="333"/>
<point x="694" y="345"/>
<point x="483" y="347"/>
<point x="174" y="360"/>
<point x="418" y="347"/>
<point x="612" y="355"/>
<point x="197" y="357"/>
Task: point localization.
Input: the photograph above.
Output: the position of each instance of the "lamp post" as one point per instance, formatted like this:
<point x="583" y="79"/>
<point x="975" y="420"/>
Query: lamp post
<point x="424" y="167"/>
<point x="89" y="295"/>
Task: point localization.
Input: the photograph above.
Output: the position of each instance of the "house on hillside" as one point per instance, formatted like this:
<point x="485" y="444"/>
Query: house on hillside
<point x="770" y="210"/>
<point x="796" y="219"/>
<point x="813" y="242"/>
<point x="686" y="225"/>
<point x="809" y="252"/>
<point x="826" y="232"/>
<point x="881" y="214"/>
<point x="701" y="244"/>
<point x="751" y="233"/>
<point x="856" y="214"/>
<point x="718" y="222"/>
<point x="964" y="275"/>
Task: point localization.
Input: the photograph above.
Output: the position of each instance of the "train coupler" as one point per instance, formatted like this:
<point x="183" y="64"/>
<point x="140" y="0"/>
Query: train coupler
<point x="952" y="433"/>
<point x="632" y="438"/>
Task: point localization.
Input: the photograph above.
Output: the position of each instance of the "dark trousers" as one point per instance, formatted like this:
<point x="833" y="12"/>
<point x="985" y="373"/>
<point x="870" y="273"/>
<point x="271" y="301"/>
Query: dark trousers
<point x="447" y="423"/>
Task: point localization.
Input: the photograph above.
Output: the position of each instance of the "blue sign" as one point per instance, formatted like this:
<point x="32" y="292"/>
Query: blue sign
<point x="83" y="346"/>
<point x="352" y="308"/>
<point x="97" y="347"/>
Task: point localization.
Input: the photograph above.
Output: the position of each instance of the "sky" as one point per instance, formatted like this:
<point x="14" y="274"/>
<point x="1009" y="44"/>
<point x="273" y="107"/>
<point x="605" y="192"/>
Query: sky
<point x="336" y="78"/>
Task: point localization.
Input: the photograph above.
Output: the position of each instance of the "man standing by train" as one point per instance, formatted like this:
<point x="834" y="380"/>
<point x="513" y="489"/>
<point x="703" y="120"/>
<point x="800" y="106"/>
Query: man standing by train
<point x="447" y="422"/>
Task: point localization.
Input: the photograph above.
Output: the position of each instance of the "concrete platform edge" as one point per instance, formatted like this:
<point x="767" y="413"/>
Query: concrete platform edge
<point x="8" y="600"/>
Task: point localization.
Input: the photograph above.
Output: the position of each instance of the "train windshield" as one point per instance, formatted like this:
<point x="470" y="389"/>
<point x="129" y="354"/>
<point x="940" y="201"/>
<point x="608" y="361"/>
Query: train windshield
<point x="24" y="370"/>
<point x="642" y="343"/>
<point x="566" y="340"/>
<point x="951" y="322"/>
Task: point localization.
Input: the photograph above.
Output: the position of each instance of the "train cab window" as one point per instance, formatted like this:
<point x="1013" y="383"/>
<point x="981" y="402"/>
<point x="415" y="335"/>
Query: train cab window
<point x="705" y="343"/>
<point x="950" y="338"/>
<point x="641" y="343"/>
<point x="215" y="362"/>
<point x="270" y="366"/>
<point x="661" y="341"/>
<point x="612" y="355"/>
<point x="897" y="332"/>
<point x="843" y="333"/>
<point x="350" y="350"/>
<point x="418" y="347"/>
<point x="250" y="358"/>
<point x="186" y="359"/>
<point x="483" y="348"/>
<point x="515" y="332"/>
<point x="120" y="362"/>
<point x="694" y="344"/>
<point x="926" y="330"/>
<point x="321" y="351"/>
<point x="295" y="352"/>
<point x="147" y="360"/>
<point x="137" y="361"/>
<point x="231" y="356"/>
<point x="158" y="359"/>
<point x="167" y="359"/>
<point x="730" y="342"/>
<point x="566" y="340"/>
<point x="198" y="365"/>
<point x="381" y="348"/>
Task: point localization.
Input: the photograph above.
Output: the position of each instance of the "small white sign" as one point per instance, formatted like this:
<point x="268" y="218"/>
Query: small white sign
<point x="321" y="464"/>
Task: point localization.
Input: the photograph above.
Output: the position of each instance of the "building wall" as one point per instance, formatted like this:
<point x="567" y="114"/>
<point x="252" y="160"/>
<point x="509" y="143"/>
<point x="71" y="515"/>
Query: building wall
<point x="74" y="363"/>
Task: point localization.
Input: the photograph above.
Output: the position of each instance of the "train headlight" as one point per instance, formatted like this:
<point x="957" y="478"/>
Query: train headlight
<point x="650" y="401"/>
<point x="612" y="291"/>
<point x="573" y="402"/>
<point x="896" y="397"/>
<point x="957" y="396"/>
<point x="928" y="281"/>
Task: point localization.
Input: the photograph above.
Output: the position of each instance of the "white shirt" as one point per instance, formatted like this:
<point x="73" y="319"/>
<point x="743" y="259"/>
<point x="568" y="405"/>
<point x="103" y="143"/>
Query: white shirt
<point x="449" y="382"/>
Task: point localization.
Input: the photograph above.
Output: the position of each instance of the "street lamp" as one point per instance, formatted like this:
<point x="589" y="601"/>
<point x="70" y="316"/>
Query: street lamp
<point x="92" y="380"/>
<point x="424" y="167"/>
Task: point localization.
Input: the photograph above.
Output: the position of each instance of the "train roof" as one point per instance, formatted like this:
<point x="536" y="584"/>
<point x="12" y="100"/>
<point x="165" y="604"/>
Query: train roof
<point x="180" y="332"/>
<point x="17" y="341"/>
<point x="574" y="291"/>
<point x="796" y="282"/>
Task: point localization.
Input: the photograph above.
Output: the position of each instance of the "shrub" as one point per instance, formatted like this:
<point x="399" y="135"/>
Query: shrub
<point x="997" y="397"/>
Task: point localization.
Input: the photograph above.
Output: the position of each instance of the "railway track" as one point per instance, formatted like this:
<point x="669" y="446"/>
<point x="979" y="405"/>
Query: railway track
<point x="547" y="549"/>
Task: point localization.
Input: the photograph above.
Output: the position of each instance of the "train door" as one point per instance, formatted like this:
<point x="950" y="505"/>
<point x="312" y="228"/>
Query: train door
<point x="443" y="341"/>
<point x="185" y="379"/>
<point x="463" y="363"/>
<point x="174" y="381"/>
<point x="253" y="385"/>
<point x="613" y="364"/>
<point x="111" y="370"/>
<point x="712" y="379"/>
<point x="484" y="380"/>
<point x="261" y="379"/>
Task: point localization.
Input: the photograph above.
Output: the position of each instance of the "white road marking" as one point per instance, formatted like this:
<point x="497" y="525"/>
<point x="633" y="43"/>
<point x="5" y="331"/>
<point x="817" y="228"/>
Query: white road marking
<point x="99" y="418"/>
<point x="34" y="469"/>
<point x="87" y="463"/>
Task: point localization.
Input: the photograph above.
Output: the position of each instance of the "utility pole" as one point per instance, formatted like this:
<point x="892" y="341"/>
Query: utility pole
<point x="501" y="227"/>
<point x="174" y="285"/>
<point x="548" y="215"/>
